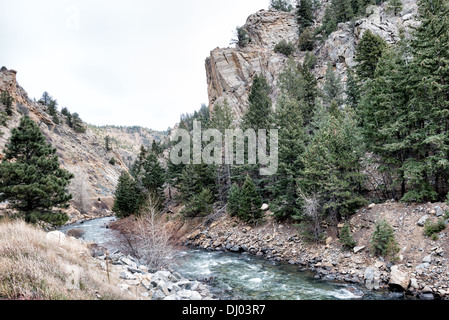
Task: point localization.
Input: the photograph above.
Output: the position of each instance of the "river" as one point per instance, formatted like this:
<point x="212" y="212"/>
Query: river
<point x="242" y="276"/>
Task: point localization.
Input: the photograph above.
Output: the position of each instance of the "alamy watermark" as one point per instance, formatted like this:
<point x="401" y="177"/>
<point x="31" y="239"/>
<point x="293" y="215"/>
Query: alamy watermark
<point x="227" y="148"/>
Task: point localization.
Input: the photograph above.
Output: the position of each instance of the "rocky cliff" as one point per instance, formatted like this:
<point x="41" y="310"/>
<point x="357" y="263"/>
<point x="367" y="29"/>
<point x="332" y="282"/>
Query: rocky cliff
<point x="230" y="71"/>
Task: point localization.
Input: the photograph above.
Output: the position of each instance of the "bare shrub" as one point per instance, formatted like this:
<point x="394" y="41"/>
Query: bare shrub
<point x="80" y="191"/>
<point x="311" y="211"/>
<point x="153" y="238"/>
<point x="76" y="233"/>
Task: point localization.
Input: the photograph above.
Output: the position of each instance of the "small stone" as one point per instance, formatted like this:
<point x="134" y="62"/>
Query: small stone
<point x="358" y="249"/>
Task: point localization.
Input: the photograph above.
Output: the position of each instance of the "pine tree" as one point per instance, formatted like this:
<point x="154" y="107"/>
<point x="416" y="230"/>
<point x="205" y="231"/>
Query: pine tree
<point x="127" y="197"/>
<point x="329" y="24"/>
<point x="304" y="14"/>
<point x="222" y="119"/>
<point x="250" y="202"/>
<point x="332" y="164"/>
<point x="291" y="146"/>
<point x="281" y="5"/>
<point x="343" y="10"/>
<point x="153" y="177"/>
<point x="31" y="178"/>
<point x="7" y="101"/>
<point x="384" y="112"/>
<point x="395" y="6"/>
<point x="369" y="51"/>
<point x="352" y="90"/>
<point x="234" y="200"/>
<point x="107" y="143"/>
<point x="346" y="238"/>
<point x="332" y="88"/>
<point x="258" y="115"/>
<point x="429" y="106"/>
<point x="77" y="123"/>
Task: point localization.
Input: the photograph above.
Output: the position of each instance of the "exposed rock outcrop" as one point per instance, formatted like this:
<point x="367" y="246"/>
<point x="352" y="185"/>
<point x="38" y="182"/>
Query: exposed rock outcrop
<point x="230" y="71"/>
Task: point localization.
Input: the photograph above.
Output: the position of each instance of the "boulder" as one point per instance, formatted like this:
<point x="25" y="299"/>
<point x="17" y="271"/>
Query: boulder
<point x="56" y="237"/>
<point x="265" y="207"/>
<point x="398" y="279"/>
<point x="422" y="221"/>
<point x="372" y="279"/>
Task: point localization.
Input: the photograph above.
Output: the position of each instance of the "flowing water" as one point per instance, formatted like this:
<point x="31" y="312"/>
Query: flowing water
<point x="237" y="276"/>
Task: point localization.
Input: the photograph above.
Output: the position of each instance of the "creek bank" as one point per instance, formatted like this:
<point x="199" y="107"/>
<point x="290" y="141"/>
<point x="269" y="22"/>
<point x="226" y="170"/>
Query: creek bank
<point x="421" y="270"/>
<point x="148" y="284"/>
<point x="137" y="280"/>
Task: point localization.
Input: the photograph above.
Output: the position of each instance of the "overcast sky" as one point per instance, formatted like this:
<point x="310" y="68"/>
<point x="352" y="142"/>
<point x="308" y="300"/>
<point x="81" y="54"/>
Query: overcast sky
<point x="134" y="62"/>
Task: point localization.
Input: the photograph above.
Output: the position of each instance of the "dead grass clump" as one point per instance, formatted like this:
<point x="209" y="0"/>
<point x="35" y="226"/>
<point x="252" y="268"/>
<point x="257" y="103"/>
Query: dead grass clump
<point x="34" y="267"/>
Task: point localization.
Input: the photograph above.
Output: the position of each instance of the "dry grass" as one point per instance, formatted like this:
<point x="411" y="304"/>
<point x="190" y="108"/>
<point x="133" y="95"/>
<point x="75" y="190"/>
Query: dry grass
<point x="33" y="267"/>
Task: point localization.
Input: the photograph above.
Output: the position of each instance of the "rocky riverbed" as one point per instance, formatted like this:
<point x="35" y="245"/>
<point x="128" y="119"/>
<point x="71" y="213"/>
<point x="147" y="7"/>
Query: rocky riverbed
<point x="420" y="270"/>
<point x="146" y="284"/>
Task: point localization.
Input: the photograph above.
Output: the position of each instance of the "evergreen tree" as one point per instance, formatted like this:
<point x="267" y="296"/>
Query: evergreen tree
<point x="395" y="6"/>
<point x="281" y="5"/>
<point x="329" y="24"/>
<point x="332" y="164"/>
<point x="291" y="146"/>
<point x="7" y="101"/>
<point x="304" y="14"/>
<point x="352" y="90"/>
<point x="127" y="197"/>
<point x="346" y="238"/>
<point x="342" y="10"/>
<point x="369" y="51"/>
<point x="332" y="88"/>
<point x="250" y="202"/>
<point x="299" y="83"/>
<point x="153" y="177"/>
<point x="31" y="178"/>
<point x="234" y="200"/>
<point x="107" y="143"/>
<point x="222" y="119"/>
<point x="258" y="115"/>
<point x="77" y="123"/>
<point x="429" y="106"/>
<point x="156" y="148"/>
<point x="385" y="115"/>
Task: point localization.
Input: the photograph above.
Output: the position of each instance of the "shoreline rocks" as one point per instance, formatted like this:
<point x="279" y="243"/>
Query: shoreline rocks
<point x="277" y="242"/>
<point x="143" y="283"/>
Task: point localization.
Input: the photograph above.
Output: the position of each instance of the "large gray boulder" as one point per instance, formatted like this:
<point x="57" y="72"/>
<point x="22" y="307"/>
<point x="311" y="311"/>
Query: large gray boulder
<point x="398" y="279"/>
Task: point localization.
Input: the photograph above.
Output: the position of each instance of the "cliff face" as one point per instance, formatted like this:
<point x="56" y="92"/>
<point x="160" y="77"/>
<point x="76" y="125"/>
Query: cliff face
<point x="230" y="71"/>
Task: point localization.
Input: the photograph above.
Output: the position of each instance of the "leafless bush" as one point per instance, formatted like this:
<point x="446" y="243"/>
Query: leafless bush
<point x="153" y="238"/>
<point x="311" y="211"/>
<point x="80" y="192"/>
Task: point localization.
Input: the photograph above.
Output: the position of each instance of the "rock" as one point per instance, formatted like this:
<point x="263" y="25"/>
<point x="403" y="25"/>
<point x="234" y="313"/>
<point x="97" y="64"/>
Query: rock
<point x="147" y="284"/>
<point x="358" y="249"/>
<point x="56" y="237"/>
<point x="427" y="259"/>
<point x="329" y="240"/>
<point x="439" y="211"/>
<point x="158" y="295"/>
<point x="127" y="275"/>
<point x="422" y="221"/>
<point x="414" y="283"/>
<point x="398" y="279"/>
<point x="265" y="207"/>
<point x="426" y="296"/>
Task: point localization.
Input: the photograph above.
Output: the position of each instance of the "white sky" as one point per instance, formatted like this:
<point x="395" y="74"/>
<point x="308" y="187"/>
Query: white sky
<point x="134" y="62"/>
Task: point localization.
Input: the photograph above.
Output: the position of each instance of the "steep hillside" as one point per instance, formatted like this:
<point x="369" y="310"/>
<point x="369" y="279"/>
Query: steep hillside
<point x="230" y="71"/>
<point x="83" y="154"/>
<point x="127" y="140"/>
